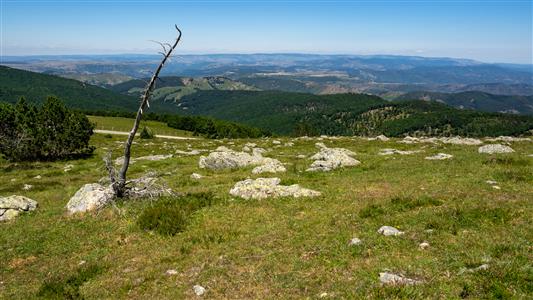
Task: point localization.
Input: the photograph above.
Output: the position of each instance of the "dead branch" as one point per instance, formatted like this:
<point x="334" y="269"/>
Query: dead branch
<point x="119" y="186"/>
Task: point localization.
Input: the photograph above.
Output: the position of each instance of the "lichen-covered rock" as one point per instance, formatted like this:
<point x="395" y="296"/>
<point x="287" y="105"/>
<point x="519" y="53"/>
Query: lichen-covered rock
<point x="120" y="160"/>
<point x="269" y="165"/>
<point x="389" y="231"/>
<point x="495" y="148"/>
<point x="12" y="206"/>
<point x="388" y="151"/>
<point x="262" y="188"/>
<point x="508" y="139"/>
<point x="395" y="279"/>
<point x="224" y="158"/>
<point x="191" y="152"/>
<point x="379" y="138"/>
<point x="90" y="197"/>
<point x="328" y="159"/>
<point x="445" y="140"/>
<point x="196" y="176"/>
<point x="439" y="156"/>
<point x="147" y="186"/>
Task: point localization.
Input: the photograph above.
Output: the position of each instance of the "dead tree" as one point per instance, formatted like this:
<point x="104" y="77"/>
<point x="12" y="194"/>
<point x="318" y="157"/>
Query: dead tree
<point x="119" y="183"/>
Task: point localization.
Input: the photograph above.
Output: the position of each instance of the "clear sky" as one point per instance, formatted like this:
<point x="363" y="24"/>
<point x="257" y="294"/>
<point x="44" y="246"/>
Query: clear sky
<point x="489" y="30"/>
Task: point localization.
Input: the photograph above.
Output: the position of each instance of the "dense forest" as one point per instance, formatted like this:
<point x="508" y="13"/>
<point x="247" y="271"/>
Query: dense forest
<point x="350" y="114"/>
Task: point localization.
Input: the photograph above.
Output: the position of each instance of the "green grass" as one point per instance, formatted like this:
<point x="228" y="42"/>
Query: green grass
<point x="279" y="248"/>
<point x="125" y="124"/>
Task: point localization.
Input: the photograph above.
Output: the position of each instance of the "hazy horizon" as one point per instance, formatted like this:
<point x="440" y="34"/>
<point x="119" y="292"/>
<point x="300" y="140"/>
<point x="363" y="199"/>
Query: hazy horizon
<point x="486" y="31"/>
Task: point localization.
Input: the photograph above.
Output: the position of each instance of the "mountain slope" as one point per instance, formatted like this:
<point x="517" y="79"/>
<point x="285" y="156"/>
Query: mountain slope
<point x="15" y="83"/>
<point x="478" y="101"/>
<point x="349" y="114"/>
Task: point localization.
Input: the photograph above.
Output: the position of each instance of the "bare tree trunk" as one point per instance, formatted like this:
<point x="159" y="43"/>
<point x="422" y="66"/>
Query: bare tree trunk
<point x="119" y="184"/>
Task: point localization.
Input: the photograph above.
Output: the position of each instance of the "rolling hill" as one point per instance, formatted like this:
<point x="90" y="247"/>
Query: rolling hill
<point x="349" y="114"/>
<point x="15" y="83"/>
<point x="477" y="101"/>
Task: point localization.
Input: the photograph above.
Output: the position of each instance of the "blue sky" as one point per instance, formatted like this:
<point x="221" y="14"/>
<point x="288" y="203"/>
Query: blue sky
<point x="492" y="31"/>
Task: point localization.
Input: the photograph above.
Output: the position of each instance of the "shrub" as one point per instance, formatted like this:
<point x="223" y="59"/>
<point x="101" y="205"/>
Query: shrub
<point x="169" y="216"/>
<point x="146" y="133"/>
<point x="68" y="288"/>
<point x="51" y="132"/>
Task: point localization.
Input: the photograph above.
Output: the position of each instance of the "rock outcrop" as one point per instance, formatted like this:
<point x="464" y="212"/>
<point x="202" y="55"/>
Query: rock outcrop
<point x="12" y="206"/>
<point x="90" y="197"/>
<point x="439" y="156"/>
<point x="262" y="188"/>
<point x="495" y="148"/>
<point x="225" y="158"/>
<point x="328" y="159"/>
<point x="396" y="279"/>
<point x="389" y="151"/>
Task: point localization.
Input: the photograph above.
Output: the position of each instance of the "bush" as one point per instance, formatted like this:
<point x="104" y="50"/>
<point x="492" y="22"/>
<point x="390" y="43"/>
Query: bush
<point x="146" y="133"/>
<point x="68" y="288"/>
<point x="51" y="132"/>
<point x="169" y="216"/>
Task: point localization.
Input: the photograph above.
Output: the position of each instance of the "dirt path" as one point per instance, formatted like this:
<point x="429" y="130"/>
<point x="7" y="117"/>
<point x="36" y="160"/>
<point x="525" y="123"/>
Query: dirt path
<point x="157" y="135"/>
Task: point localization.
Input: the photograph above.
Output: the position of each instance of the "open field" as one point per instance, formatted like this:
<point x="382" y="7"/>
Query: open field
<point x="125" y="124"/>
<point x="282" y="248"/>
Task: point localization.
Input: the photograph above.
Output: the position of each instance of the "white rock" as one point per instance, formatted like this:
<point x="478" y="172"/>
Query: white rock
<point x="508" y="139"/>
<point x="269" y="165"/>
<point x="90" y="197"/>
<point x="171" y="272"/>
<point x="37" y="177"/>
<point x="198" y="290"/>
<point x="68" y="168"/>
<point x="472" y="270"/>
<point x="389" y="231"/>
<point x="12" y="206"/>
<point x="388" y="151"/>
<point x="328" y="159"/>
<point x="496" y="187"/>
<point x="395" y="279"/>
<point x="355" y="242"/>
<point x="191" y="152"/>
<point x="196" y="176"/>
<point x="379" y="138"/>
<point x="276" y="142"/>
<point x="495" y="148"/>
<point x="423" y="245"/>
<point x="491" y="182"/>
<point x="323" y="295"/>
<point x="120" y="160"/>
<point x="439" y="156"/>
<point x="27" y="187"/>
<point x="262" y="188"/>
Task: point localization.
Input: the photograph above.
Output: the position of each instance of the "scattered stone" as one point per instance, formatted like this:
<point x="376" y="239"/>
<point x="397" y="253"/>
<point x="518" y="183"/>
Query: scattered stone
<point x="389" y="230"/>
<point x="289" y="144"/>
<point x="68" y="168"/>
<point x="37" y="177"/>
<point x="491" y="182"/>
<point x="27" y="187"/>
<point x="120" y="160"/>
<point x="496" y="187"/>
<point x="439" y="156"/>
<point x="328" y="159"/>
<point x="196" y="176"/>
<point x="191" y="152"/>
<point x="250" y="145"/>
<point x="198" y="290"/>
<point x="262" y="188"/>
<point x="90" y="197"/>
<point x="445" y="140"/>
<point x="276" y="142"/>
<point x="508" y="139"/>
<point x="379" y="138"/>
<point x="473" y="270"/>
<point x="323" y="295"/>
<point x="13" y="180"/>
<point x="355" y="242"/>
<point x="301" y="156"/>
<point x="147" y="186"/>
<point x="270" y="165"/>
<point x="229" y="159"/>
<point x="396" y="279"/>
<point x="12" y="206"/>
<point x="246" y="149"/>
<point x="171" y="272"/>
<point x="423" y="245"/>
<point x="82" y="262"/>
<point x="389" y="151"/>
<point x="495" y="148"/>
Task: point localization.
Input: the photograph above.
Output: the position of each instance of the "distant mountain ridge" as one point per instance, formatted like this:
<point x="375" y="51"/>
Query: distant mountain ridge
<point x="477" y="101"/>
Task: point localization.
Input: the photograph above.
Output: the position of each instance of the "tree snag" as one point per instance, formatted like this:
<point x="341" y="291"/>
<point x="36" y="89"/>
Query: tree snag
<point x="119" y="184"/>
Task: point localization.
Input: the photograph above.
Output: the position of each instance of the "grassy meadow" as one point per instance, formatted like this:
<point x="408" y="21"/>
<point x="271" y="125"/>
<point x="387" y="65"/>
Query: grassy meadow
<point x="279" y="248"/>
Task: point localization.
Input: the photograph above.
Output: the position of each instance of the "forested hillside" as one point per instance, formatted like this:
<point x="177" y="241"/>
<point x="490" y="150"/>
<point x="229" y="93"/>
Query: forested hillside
<point x="478" y="101"/>
<point x="15" y="83"/>
<point x="349" y="114"/>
